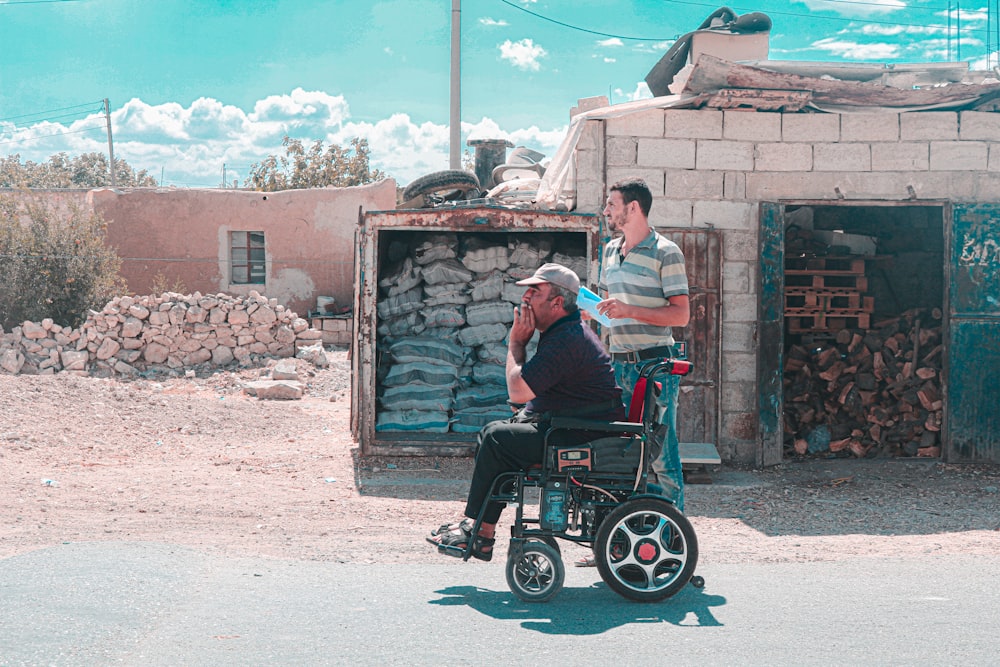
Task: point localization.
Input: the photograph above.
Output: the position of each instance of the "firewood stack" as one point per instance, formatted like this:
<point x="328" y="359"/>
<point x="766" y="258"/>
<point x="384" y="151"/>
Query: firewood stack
<point x="876" y="392"/>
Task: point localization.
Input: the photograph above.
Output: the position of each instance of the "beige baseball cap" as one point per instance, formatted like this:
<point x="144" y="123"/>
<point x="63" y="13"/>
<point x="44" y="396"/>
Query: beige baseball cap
<point x="556" y="274"/>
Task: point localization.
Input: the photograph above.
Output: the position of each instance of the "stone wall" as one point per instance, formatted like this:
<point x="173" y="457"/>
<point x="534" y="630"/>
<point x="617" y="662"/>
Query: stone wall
<point x="132" y="335"/>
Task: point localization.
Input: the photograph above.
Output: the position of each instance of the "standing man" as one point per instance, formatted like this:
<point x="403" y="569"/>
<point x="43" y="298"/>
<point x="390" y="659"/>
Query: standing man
<point x="646" y="293"/>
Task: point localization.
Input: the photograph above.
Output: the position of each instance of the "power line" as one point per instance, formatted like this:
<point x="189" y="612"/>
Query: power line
<point x="75" y="114"/>
<point x="573" y="27"/>
<point x="743" y="9"/>
<point x="89" y="105"/>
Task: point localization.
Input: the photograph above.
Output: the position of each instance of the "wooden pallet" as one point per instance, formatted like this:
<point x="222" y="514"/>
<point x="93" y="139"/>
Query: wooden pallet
<point x="828" y="273"/>
<point x="828" y="299"/>
<point x="852" y="265"/>
<point x="806" y="321"/>
<point x="840" y="281"/>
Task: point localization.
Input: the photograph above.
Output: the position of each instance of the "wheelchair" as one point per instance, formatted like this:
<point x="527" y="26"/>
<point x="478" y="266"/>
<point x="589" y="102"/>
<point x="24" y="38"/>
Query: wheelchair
<point x="595" y="493"/>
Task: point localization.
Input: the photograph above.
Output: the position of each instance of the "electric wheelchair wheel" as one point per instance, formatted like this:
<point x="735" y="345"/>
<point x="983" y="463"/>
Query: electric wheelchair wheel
<point x="535" y="571"/>
<point x="646" y="550"/>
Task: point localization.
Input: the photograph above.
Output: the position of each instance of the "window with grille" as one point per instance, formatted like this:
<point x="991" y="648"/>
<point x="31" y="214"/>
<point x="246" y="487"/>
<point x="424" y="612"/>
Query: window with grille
<point x="246" y="252"/>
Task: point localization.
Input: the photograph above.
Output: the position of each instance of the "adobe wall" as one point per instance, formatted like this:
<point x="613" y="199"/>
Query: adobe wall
<point x="712" y="168"/>
<point x="181" y="238"/>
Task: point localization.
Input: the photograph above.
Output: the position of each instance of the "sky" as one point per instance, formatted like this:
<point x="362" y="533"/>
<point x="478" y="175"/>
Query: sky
<point x="199" y="90"/>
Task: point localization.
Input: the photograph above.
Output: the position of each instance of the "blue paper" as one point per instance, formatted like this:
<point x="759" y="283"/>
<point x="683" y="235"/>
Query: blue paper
<point x="588" y="301"/>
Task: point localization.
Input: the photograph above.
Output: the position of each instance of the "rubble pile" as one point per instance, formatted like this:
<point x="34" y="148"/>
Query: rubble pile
<point x="133" y="334"/>
<point x="445" y="308"/>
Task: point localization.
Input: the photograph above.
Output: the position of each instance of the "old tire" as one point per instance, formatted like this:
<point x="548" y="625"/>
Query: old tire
<point x="449" y="184"/>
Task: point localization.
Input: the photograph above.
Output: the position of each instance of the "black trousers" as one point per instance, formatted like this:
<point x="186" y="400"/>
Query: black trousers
<point x="503" y="447"/>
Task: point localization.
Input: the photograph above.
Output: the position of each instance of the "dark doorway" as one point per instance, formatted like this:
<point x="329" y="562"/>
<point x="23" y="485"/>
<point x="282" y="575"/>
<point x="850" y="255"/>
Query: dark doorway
<point x="856" y="293"/>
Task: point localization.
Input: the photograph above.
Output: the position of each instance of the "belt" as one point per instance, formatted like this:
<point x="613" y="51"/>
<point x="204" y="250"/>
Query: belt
<point x="662" y="352"/>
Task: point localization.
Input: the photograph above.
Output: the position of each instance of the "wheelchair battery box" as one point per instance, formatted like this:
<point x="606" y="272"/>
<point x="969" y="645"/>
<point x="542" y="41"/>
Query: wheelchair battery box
<point x="573" y="458"/>
<point x="553" y="510"/>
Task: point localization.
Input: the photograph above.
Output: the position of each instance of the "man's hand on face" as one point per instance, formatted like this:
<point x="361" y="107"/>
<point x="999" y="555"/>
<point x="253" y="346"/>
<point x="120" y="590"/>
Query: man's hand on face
<point x="524" y="325"/>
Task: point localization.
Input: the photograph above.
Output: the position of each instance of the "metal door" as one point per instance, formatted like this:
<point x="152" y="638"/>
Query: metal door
<point x="698" y="405"/>
<point x="972" y="365"/>
<point x="769" y="334"/>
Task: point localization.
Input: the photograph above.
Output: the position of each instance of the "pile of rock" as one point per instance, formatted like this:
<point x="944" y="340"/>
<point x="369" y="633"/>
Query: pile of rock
<point x="172" y="331"/>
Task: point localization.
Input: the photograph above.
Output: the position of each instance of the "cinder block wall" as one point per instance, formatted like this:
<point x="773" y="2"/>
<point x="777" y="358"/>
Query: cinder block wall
<point x="712" y="168"/>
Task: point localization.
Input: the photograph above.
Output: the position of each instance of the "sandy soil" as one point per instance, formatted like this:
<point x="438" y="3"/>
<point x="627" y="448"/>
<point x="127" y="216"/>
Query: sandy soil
<point x="196" y="462"/>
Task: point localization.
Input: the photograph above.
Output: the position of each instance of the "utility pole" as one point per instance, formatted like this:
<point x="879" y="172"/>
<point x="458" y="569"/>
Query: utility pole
<point x="111" y="146"/>
<point x="223" y="174"/>
<point x="958" y="28"/>
<point x="455" y="135"/>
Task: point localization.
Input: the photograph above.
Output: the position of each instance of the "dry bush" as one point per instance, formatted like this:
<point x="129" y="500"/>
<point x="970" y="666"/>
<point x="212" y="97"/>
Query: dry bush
<point x="54" y="263"/>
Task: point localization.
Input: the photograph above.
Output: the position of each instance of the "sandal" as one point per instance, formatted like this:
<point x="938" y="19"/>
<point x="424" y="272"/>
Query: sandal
<point x="587" y="561"/>
<point x="455" y="541"/>
<point x="445" y="528"/>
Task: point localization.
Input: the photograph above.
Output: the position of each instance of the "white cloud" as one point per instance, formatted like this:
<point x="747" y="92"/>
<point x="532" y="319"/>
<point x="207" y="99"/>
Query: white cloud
<point x="965" y="16"/>
<point x="301" y="108"/>
<point x="896" y="30"/>
<point x="523" y="54"/>
<point x="189" y="146"/>
<point x="486" y="20"/>
<point x="610" y="60"/>
<point x="640" y="92"/>
<point x="401" y="148"/>
<point x="985" y="64"/>
<point x="406" y="151"/>
<point x="855" y="51"/>
<point x="613" y="41"/>
<point x="867" y="8"/>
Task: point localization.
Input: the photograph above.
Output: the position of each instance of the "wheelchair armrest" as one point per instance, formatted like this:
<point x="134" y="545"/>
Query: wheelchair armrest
<point x="561" y="423"/>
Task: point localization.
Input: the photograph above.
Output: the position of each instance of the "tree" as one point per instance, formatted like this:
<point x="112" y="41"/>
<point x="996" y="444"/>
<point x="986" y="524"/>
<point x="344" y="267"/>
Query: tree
<point x="53" y="263"/>
<point x="89" y="170"/>
<point x="313" y="168"/>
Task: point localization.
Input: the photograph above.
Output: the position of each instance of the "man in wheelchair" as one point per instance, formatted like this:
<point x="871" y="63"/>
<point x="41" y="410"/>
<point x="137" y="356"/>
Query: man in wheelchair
<point x="569" y="376"/>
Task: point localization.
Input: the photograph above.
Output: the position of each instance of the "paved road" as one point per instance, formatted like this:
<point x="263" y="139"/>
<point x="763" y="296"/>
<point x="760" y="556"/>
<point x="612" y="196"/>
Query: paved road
<point x="115" y="603"/>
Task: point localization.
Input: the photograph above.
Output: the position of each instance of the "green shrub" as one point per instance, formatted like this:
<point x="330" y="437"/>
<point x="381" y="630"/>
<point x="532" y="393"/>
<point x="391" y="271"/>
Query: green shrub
<point x="53" y="263"/>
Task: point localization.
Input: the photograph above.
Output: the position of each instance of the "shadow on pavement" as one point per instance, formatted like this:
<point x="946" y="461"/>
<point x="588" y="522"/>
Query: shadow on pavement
<point x="572" y="611"/>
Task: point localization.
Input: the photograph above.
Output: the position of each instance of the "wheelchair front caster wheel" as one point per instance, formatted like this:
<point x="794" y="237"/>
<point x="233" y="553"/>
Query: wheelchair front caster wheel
<point x="698" y="582"/>
<point x="535" y="571"/>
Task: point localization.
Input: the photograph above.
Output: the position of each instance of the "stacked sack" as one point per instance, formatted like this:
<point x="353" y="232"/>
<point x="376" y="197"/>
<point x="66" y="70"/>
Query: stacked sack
<point x="446" y="305"/>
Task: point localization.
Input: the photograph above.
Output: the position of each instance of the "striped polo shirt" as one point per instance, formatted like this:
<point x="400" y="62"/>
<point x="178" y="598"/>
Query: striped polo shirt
<point x="650" y="273"/>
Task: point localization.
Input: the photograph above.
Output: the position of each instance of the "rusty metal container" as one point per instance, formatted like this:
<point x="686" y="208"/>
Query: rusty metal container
<point x="376" y="232"/>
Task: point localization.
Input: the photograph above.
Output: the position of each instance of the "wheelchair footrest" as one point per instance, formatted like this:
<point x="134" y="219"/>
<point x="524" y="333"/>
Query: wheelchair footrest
<point x="448" y="550"/>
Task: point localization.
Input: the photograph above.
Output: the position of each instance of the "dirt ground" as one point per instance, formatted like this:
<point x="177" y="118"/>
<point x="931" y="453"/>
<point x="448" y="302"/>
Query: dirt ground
<point x="196" y="462"/>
